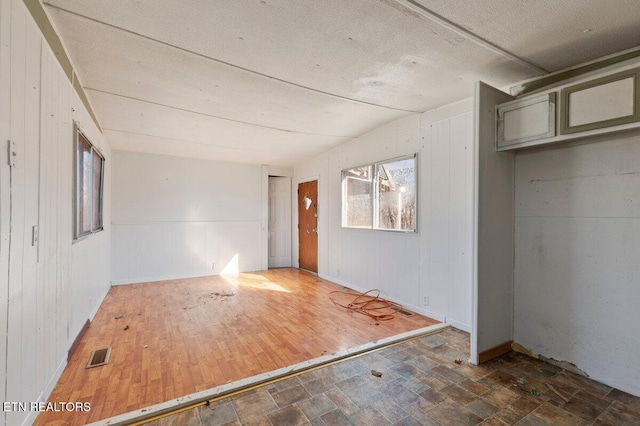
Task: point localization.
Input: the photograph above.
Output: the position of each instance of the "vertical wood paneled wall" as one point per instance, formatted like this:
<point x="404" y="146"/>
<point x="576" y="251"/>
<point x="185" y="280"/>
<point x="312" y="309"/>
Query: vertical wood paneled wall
<point x="50" y="288"/>
<point x="430" y="271"/>
<point x="577" y="262"/>
<point x="183" y="217"/>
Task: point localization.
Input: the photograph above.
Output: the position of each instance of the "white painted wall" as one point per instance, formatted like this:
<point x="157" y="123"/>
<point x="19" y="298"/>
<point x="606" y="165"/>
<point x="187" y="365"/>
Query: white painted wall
<point x="493" y="267"/>
<point x="436" y="262"/>
<point x="175" y="217"/>
<point x="53" y="287"/>
<point x="446" y="246"/>
<point x="577" y="268"/>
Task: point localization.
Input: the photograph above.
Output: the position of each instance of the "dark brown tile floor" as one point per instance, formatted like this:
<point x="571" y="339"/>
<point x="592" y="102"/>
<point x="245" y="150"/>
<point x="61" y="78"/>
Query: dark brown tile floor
<point x="422" y="385"/>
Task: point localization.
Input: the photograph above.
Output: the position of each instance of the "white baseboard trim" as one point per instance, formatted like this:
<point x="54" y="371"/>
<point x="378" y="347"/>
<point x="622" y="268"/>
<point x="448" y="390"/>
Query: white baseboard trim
<point x="417" y="309"/>
<point x="151" y="279"/>
<point x="31" y="417"/>
<point x="281" y="373"/>
<point x="156" y="278"/>
<point x="94" y="311"/>
<point x="460" y="325"/>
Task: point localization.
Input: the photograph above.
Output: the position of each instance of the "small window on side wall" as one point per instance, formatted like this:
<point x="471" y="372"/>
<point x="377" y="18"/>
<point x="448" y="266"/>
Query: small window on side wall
<point x="381" y="196"/>
<point x="89" y="177"/>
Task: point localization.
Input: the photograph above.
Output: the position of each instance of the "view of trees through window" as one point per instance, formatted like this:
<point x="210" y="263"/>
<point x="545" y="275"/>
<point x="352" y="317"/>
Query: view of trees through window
<point x="397" y="195"/>
<point x="88" y="187"/>
<point x="359" y="191"/>
<point x="381" y="195"/>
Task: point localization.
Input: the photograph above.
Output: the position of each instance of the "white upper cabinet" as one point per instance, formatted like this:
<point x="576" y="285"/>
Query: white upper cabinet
<point x="594" y="106"/>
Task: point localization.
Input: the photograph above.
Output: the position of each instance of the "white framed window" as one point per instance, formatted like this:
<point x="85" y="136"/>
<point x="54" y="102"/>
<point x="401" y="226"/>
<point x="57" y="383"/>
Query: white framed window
<point x="89" y="184"/>
<point x="381" y="195"/>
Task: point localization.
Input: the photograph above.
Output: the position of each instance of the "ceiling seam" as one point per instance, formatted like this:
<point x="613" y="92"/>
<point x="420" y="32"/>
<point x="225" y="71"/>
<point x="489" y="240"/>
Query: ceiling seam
<point x="438" y="19"/>
<point x="300" y="86"/>
<point x="168" y="140"/>
<point x="213" y="116"/>
<point x="49" y="34"/>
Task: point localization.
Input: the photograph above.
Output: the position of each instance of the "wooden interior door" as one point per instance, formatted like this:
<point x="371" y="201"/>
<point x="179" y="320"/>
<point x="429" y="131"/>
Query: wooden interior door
<point x="308" y="225"/>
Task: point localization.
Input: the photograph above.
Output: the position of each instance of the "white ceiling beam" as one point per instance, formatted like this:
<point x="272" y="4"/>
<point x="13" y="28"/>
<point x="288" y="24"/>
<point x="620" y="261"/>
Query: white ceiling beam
<point x="218" y="117"/>
<point x="300" y="86"/>
<point x="432" y="16"/>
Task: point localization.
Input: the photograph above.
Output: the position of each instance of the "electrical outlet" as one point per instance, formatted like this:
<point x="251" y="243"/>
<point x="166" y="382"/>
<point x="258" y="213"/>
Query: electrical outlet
<point x="426" y="301"/>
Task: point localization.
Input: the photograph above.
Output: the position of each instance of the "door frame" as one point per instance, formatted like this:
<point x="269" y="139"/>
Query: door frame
<point x="295" y="218"/>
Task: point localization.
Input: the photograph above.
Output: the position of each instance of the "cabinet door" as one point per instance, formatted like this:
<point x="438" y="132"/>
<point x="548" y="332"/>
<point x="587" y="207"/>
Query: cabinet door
<point x="526" y="120"/>
<point x="603" y="102"/>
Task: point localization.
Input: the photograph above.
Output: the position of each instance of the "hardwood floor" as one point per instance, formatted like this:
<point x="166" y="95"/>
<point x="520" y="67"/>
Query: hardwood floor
<point x="190" y="335"/>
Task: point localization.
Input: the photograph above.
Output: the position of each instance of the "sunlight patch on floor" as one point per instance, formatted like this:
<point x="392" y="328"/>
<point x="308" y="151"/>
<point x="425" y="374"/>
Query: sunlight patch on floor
<point x="252" y="281"/>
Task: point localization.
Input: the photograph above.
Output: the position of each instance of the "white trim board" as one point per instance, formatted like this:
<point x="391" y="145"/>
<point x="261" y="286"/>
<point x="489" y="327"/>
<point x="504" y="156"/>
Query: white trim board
<point x="417" y="309"/>
<point x="94" y="311"/>
<point x="46" y="393"/>
<point x="281" y="373"/>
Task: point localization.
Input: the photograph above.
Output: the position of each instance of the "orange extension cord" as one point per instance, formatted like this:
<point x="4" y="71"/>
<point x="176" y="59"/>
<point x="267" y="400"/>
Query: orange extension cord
<point x="366" y="304"/>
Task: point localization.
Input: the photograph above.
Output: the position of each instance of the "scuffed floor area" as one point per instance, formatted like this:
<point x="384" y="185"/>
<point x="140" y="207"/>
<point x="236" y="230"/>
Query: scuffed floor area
<point x="421" y="384"/>
<point x="173" y="338"/>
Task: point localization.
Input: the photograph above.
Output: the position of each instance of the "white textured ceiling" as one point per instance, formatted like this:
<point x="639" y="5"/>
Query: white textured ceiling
<point x="280" y="81"/>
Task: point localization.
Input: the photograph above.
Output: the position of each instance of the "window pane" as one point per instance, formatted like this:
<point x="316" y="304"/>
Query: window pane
<point x="397" y="195"/>
<point x="358" y="200"/>
<point x="97" y="191"/>
<point x="84" y="186"/>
